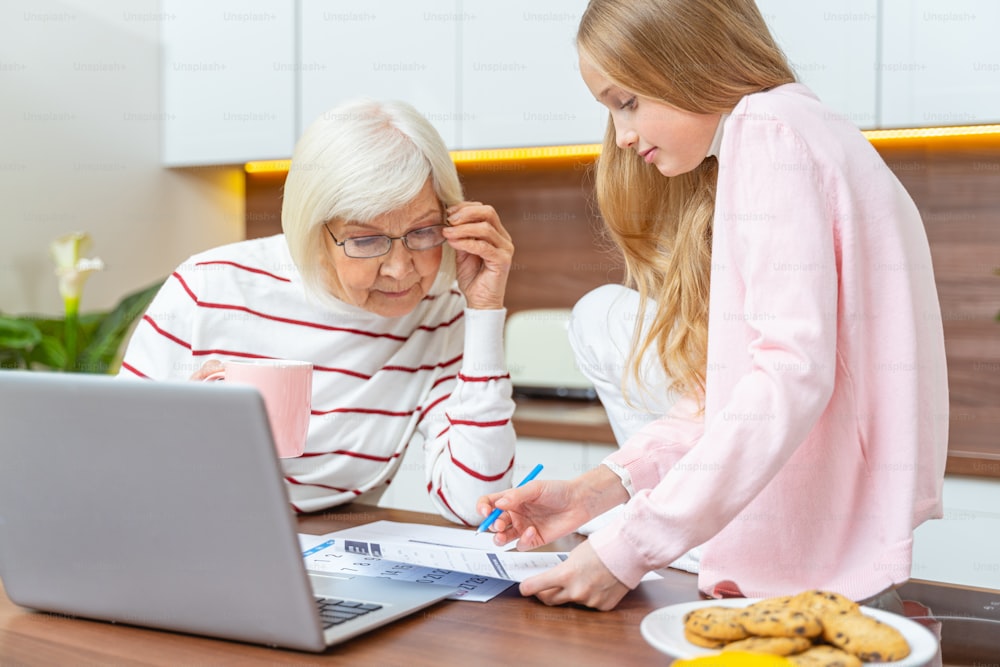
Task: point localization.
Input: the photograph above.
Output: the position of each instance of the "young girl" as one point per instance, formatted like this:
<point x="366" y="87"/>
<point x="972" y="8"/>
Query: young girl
<point x="787" y="406"/>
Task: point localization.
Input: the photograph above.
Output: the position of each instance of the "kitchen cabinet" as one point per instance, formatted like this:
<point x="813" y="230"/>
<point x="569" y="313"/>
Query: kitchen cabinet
<point x="241" y="80"/>
<point x="388" y="49"/>
<point x="940" y="63"/>
<point x="895" y="63"/>
<point x="228" y="80"/>
<point x="486" y="75"/>
<point x="833" y="49"/>
<point x="519" y="77"/>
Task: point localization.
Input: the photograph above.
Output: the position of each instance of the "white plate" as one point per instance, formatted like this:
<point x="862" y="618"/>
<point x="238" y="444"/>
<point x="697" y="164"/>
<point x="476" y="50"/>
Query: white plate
<point x="664" y="630"/>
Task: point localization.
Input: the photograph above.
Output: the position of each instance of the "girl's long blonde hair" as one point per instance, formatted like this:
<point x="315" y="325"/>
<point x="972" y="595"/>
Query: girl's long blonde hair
<point x="701" y="56"/>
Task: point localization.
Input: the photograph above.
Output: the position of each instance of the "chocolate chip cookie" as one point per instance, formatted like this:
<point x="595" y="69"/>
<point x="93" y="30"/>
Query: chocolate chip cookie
<point x="867" y="638"/>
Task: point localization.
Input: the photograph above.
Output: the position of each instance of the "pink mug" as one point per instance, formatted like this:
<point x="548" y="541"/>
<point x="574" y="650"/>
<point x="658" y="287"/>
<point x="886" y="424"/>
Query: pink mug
<point x="287" y="390"/>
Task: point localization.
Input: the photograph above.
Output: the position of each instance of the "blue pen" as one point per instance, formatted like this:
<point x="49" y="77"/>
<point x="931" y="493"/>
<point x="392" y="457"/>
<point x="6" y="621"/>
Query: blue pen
<point x="495" y="514"/>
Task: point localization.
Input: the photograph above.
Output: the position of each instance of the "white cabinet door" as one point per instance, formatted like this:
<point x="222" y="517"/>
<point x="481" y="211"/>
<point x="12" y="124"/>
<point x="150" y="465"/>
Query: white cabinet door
<point x="520" y="80"/>
<point x="940" y="62"/>
<point x="383" y="49"/>
<point x="227" y="81"/>
<point x="832" y="45"/>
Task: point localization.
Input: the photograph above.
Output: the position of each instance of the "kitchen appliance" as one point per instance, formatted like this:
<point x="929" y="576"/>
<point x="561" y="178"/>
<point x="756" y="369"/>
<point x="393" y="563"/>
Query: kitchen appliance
<point x="540" y="358"/>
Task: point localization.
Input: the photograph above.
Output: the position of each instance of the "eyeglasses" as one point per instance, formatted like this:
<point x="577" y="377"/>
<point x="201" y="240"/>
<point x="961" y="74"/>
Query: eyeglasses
<point x="366" y="247"/>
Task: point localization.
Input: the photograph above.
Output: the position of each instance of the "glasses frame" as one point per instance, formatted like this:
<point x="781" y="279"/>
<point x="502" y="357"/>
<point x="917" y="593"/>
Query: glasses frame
<point x="403" y="238"/>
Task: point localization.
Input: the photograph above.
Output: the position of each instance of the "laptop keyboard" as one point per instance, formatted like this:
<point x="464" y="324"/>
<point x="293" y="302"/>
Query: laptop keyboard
<point x="334" y="612"/>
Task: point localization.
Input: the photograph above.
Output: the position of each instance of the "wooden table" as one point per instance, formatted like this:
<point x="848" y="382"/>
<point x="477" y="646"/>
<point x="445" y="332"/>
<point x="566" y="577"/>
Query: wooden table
<point x="508" y="630"/>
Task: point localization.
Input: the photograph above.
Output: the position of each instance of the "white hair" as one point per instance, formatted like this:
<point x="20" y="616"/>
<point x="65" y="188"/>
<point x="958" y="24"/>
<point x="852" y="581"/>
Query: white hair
<point x="357" y="161"/>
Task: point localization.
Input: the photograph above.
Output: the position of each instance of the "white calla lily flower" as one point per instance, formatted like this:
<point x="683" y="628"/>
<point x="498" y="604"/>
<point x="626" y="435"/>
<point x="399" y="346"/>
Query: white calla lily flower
<point x="66" y="249"/>
<point x="71" y="279"/>
<point x="72" y="269"/>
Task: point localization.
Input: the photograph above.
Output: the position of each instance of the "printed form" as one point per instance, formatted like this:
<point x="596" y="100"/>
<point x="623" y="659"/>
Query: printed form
<point x="471" y="564"/>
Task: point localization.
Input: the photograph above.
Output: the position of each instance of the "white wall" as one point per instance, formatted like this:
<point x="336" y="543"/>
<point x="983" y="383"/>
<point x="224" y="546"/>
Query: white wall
<point x="80" y="150"/>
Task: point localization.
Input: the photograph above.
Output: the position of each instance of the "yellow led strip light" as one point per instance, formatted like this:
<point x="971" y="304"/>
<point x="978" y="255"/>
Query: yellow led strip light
<point x="483" y="156"/>
<point x="586" y="151"/>
<point x="529" y="153"/>
<point x="933" y="132"/>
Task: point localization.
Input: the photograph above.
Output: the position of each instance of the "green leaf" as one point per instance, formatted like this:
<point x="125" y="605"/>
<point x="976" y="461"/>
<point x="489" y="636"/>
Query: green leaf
<point x="101" y="340"/>
<point x="32" y="341"/>
<point x="49" y="326"/>
<point x="50" y="353"/>
<point x="18" y="334"/>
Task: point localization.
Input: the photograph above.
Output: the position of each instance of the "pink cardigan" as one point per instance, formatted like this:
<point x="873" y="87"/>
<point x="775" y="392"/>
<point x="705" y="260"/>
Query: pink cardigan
<point x="824" y="435"/>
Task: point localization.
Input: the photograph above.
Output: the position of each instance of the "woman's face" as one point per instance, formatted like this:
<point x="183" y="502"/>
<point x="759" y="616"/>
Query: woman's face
<point x="393" y="284"/>
<point x="671" y="139"/>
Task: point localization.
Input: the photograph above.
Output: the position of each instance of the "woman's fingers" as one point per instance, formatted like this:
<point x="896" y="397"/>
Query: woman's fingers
<point x="209" y="367"/>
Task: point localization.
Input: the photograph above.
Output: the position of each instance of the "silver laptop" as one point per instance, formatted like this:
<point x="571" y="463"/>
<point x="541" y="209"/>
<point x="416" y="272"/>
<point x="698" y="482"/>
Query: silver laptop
<point x="162" y="504"/>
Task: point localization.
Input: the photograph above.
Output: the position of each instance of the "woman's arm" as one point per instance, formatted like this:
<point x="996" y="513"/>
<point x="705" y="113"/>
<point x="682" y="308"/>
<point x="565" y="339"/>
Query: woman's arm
<point x="466" y="429"/>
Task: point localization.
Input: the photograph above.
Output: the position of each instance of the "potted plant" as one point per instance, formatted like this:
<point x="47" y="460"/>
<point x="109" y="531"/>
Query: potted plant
<point x="75" y="342"/>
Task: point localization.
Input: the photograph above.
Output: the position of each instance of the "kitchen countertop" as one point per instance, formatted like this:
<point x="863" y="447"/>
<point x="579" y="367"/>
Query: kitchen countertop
<point x="965" y="619"/>
<point x="562" y="419"/>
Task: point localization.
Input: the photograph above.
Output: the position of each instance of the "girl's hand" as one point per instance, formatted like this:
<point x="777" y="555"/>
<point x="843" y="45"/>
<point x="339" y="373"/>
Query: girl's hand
<point x="535" y="514"/>
<point x="542" y="511"/>
<point x="582" y="578"/>
<point x="483" y="253"/>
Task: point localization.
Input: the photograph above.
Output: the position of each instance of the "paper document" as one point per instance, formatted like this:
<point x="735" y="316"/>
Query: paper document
<point x="329" y="557"/>
<point x="471" y="564"/>
<point x="443" y="536"/>
<point x="510" y="565"/>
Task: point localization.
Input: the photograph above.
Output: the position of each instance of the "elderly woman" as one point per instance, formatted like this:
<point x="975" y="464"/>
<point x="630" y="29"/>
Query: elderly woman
<point x="391" y="285"/>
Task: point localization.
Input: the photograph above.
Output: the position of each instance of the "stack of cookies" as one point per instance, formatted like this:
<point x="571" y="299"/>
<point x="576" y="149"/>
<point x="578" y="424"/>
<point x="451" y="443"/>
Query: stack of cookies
<point x="814" y="628"/>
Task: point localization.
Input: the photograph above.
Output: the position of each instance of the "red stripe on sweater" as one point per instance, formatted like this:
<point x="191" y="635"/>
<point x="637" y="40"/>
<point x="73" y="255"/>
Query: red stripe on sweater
<point x="431" y="406"/>
<point x="302" y="323"/>
<point x="425" y="327"/>
<point x="342" y="371"/>
<point x="424" y="367"/>
<point x="135" y="371"/>
<point x="482" y="378"/>
<point x="364" y="411"/>
<point x="443" y="379"/>
<point x="453" y="361"/>
<point x="400" y="369"/>
<point x="440" y="494"/>
<point x="165" y="333"/>
<point x="469" y="471"/>
<point x="356" y="455"/>
<point x="248" y="355"/>
<point x="246" y="268"/>
<point x="469" y="422"/>
<point x="292" y="480"/>
<point x="228" y="353"/>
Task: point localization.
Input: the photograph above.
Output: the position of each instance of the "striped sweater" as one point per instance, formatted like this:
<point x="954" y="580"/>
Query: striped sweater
<point x="380" y="385"/>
